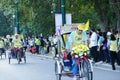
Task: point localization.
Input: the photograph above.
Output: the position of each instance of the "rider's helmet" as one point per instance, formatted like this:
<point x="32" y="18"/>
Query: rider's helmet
<point x="80" y="27"/>
<point x="16" y="35"/>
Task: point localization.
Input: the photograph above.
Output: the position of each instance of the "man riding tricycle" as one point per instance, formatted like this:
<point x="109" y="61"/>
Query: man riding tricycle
<point x="17" y="51"/>
<point x="72" y="59"/>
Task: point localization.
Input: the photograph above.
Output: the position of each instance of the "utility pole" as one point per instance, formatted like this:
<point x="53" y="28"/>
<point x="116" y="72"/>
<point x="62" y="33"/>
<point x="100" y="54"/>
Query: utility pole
<point x="17" y="21"/>
<point x="63" y="12"/>
<point x="17" y="17"/>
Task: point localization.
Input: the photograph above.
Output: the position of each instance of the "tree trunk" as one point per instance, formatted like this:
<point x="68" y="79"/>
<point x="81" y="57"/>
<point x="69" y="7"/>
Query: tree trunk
<point x="118" y="24"/>
<point x="102" y="11"/>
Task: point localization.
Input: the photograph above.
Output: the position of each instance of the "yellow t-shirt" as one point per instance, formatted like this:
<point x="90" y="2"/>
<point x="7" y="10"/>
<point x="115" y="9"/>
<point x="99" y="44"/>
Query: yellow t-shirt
<point x="1" y="44"/>
<point x="78" y="39"/>
<point x="113" y="46"/>
<point x="17" y="43"/>
<point x="117" y="36"/>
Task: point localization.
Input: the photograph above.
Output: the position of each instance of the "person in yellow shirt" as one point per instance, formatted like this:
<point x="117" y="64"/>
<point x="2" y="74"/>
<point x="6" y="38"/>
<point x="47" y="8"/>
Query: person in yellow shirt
<point x="76" y="38"/>
<point x="16" y="41"/>
<point x="2" y="45"/>
<point x="113" y="51"/>
<point x="54" y="44"/>
<point x="17" y="45"/>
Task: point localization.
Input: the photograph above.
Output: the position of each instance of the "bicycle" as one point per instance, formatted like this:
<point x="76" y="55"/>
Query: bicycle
<point x="85" y="69"/>
<point x="17" y="53"/>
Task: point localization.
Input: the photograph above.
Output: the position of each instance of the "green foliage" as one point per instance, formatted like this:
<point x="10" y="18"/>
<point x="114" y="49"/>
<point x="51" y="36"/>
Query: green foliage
<point x="81" y="11"/>
<point x="36" y="16"/>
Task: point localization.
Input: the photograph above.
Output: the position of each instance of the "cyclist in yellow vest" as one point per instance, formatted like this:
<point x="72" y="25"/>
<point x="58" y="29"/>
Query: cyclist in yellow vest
<point x="17" y="42"/>
<point x="17" y="45"/>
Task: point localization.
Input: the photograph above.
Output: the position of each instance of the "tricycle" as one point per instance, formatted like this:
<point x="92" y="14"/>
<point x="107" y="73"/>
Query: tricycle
<point x="17" y="53"/>
<point x="64" y="60"/>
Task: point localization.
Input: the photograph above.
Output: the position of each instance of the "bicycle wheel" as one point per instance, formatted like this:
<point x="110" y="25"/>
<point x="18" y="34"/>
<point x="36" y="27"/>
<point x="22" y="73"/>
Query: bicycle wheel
<point x="9" y="59"/>
<point x="18" y="56"/>
<point x="1" y="53"/>
<point x="24" y="58"/>
<point x="90" y="75"/>
<point x="4" y="53"/>
<point x="83" y="70"/>
<point x="90" y="71"/>
<point x="58" y="75"/>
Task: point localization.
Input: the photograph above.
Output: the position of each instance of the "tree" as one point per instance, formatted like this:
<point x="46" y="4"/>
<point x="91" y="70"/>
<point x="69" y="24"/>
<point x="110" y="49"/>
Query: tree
<point x="5" y="24"/>
<point x="108" y="12"/>
<point x="44" y="20"/>
<point x="81" y="11"/>
<point x="36" y="16"/>
<point x="115" y="5"/>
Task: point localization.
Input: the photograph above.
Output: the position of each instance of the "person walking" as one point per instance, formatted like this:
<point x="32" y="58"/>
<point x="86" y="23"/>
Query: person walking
<point x="113" y="51"/>
<point x="93" y="44"/>
<point x="106" y="48"/>
<point x="100" y="45"/>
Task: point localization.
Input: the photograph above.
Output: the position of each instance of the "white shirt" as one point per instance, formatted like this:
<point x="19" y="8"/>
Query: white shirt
<point x="93" y="39"/>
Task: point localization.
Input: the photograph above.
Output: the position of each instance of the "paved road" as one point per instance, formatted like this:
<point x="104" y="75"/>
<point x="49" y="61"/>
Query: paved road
<point x="40" y="68"/>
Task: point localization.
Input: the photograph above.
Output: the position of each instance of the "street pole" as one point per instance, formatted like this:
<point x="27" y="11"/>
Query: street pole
<point x="63" y="12"/>
<point x="17" y="21"/>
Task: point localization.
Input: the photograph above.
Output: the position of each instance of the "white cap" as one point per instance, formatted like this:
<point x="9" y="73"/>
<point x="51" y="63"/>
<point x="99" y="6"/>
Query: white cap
<point x="109" y="33"/>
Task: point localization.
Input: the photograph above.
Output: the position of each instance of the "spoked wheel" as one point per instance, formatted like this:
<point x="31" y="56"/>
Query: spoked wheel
<point x="24" y="55"/>
<point x="90" y="72"/>
<point x="18" y="56"/>
<point x="9" y="57"/>
<point x="58" y="75"/>
<point x="84" y="70"/>
<point x="24" y="59"/>
<point x="1" y="53"/>
<point x="90" y="75"/>
<point x="9" y="60"/>
<point x="5" y="55"/>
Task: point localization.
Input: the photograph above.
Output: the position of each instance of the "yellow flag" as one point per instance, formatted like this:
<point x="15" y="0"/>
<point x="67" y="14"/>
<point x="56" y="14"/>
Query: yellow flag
<point x="86" y="26"/>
